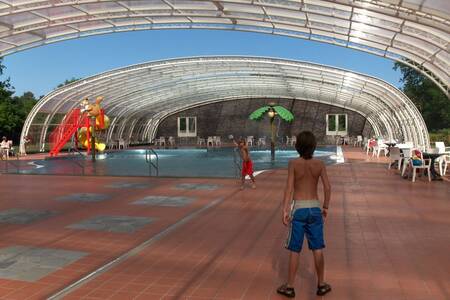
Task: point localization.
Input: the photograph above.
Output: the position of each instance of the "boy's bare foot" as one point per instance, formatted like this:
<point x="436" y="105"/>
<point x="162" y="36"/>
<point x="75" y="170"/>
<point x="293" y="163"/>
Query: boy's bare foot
<point x="242" y="187"/>
<point x="253" y="186"/>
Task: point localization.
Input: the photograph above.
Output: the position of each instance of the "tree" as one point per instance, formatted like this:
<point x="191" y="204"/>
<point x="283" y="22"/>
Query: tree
<point x="8" y="119"/>
<point x="67" y="81"/>
<point x="13" y="110"/>
<point x="272" y="110"/>
<point x="432" y="103"/>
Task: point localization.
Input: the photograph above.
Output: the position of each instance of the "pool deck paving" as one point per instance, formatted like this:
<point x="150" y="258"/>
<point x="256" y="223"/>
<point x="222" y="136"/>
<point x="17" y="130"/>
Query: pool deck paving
<point x="76" y="237"/>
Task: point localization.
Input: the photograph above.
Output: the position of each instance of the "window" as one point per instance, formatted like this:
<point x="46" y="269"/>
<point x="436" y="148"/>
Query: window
<point x="187" y="126"/>
<point x="336" y="124"/>
<point x="331" y="123"/>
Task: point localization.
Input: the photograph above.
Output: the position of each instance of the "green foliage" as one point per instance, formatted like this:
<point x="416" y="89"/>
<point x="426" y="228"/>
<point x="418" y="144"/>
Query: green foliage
<point x="432" y="103"/>
<point x="259" y="113"/>
<point x="442" y="135"/>
<point x="13" y="110"/>
<point x="67" y="81"/>
<point x="284" y="113"/>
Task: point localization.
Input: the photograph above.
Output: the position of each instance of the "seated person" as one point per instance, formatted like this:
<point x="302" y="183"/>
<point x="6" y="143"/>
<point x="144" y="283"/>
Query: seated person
<point x="4" y="147"/>
<point x="416" y="160"/>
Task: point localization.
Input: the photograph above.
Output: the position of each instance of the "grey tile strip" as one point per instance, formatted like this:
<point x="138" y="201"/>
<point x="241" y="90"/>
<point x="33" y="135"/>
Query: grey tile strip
<point x="70" y="288"/>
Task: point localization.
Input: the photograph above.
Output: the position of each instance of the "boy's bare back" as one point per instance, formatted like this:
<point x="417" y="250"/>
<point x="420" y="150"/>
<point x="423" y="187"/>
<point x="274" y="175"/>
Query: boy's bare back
<point x="306" y="174"/>
<point x="244" y="152"/>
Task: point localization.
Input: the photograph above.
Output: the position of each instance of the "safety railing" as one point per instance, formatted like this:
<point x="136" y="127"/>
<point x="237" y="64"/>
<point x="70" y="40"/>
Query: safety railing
<point x="149" y="160"/>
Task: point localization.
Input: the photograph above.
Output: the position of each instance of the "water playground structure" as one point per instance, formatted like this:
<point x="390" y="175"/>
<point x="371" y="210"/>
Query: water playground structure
<point x="81" y="125"/>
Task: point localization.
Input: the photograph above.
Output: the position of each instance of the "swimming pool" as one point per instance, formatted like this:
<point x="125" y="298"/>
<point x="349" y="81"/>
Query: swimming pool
<point x="173" y="162"/>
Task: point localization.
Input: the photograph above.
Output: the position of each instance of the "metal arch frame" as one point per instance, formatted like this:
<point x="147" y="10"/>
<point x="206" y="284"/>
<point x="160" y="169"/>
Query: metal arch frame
<point x="418" y="35"/>
<point x="147" y="92"/>
<point x="132" y="116"/>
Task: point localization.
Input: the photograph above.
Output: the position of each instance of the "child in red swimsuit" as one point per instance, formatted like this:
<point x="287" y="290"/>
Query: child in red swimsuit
<point x="247" y="165"/>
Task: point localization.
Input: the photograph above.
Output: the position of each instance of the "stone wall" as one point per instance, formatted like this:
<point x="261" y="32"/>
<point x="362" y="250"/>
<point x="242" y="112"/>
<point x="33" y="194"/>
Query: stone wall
<point x="231" y="117"/>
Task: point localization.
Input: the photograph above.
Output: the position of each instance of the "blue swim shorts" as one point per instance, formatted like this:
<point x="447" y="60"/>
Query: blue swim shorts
<point x="306" y="221"/>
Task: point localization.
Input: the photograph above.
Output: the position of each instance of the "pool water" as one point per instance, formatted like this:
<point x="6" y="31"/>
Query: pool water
<point x="172" y="162"/>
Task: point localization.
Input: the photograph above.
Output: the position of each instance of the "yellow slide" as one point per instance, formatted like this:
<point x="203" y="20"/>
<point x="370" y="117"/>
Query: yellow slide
<point x="82" y="138"/>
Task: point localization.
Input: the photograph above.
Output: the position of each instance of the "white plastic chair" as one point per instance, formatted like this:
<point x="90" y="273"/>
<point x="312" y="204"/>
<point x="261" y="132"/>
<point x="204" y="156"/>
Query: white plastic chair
<point x="346" y="140"/>
<point x="217" y="141"/>
<point x="381" y="146"/>
<point x="161" y="142"/>
<point x="406" y="158"/>
<point x="293" y="140"/>
<point x="262" y="141"/>
<point x="441" y="147"/>
<point x="288" y="141"/>
<point x="358" y="141"/>
<point x="443" y="164"/>
<point x="250" y="140"/>
<point x="171" y="141"/>
<point x="210" y="141"/>
<point x="121" y="143"/>
<point x="425" y="165"/>
<point x="112" y="144"/>
<point x="200" y="141"/>
<point x="444" y="160"/>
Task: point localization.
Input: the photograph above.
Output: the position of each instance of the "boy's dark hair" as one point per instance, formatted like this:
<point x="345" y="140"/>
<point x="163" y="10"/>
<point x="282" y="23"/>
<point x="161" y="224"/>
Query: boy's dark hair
<point x="306" y="144"/>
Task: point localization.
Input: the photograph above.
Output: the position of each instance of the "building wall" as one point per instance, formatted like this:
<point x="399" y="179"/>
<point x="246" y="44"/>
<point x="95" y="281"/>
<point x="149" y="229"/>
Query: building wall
<point x="231" y="117"/>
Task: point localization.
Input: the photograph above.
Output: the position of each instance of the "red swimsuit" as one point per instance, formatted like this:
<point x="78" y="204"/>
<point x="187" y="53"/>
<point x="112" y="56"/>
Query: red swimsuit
<point x="247" y="168"/>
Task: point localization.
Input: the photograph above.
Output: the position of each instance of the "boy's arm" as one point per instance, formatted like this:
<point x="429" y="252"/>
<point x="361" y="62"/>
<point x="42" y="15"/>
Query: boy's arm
<point x="288" y="193"/>
<point x="326" y="189"/>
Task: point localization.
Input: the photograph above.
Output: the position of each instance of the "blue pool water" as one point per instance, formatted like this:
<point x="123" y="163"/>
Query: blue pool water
<point x="173" y="162"/>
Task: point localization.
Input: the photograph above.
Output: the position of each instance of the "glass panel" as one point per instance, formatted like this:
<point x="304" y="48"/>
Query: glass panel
<point x="192" y="125"/>
<point x="331" y="122"/>
<point x="182" y="124"/>
<point x="341" y="123"/>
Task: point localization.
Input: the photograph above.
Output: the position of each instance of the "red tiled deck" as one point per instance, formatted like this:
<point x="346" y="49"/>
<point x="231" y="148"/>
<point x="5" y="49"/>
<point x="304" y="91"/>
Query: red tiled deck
<point x="387" y="238"/>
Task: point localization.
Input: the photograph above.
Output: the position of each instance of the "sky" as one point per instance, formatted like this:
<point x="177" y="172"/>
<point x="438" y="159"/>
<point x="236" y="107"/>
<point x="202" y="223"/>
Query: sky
<point x="41" y="69"/>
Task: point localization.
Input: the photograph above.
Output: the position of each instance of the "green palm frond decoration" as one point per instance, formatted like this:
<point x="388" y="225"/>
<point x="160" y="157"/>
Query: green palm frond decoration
<point x="259" y="113"/>
<point x="284" y="113"/>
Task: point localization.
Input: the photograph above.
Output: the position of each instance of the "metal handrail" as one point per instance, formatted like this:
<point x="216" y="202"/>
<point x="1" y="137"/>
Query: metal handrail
<point x="148" y="160"/>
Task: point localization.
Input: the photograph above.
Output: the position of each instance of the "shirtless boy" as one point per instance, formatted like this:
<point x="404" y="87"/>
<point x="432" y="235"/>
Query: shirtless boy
<point x="247" y="164"/>
<point x="306" y="217"/>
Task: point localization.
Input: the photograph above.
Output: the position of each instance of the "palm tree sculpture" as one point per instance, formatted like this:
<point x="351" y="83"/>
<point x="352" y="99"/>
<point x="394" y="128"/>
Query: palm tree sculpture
<point x="272" y="110"/>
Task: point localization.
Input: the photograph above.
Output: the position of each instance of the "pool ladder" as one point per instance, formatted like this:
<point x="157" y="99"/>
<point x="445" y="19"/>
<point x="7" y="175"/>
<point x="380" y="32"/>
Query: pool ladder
<point x="149" y="161"/>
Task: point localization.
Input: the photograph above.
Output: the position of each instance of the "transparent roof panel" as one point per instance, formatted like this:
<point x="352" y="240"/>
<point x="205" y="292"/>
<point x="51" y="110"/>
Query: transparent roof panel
<point x="413" y="31"/>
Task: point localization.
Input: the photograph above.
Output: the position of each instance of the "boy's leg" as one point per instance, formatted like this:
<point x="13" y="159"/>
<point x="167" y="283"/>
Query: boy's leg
<point x="242" y="181"/>
<point x="253" y="180"/>
<point x="320" y="265"/>
<point x="293" y="267"/>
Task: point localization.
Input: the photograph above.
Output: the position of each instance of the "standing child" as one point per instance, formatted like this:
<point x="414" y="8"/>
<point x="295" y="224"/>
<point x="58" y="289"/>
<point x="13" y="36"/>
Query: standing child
<point x="247" y="164"/>
<point x="305" y="218"/>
